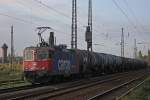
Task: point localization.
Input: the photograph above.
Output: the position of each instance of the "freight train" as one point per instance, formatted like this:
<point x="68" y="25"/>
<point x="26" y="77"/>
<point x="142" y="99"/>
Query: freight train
<point x="43" y="64"/>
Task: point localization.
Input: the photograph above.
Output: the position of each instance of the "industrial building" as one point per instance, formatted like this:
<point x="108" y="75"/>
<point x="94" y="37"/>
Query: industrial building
<point x="3" y="53"/>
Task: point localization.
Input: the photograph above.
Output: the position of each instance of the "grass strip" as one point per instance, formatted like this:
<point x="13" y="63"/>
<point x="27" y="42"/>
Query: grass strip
<point x="141" y="93"/>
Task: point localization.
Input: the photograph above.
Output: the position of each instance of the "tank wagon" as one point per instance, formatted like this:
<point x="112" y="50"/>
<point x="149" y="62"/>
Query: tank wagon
<point x="43" y="64"/>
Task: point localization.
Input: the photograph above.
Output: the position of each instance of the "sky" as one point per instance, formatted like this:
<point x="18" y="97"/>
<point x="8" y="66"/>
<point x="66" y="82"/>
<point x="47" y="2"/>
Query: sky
<point x="109" y="16"/>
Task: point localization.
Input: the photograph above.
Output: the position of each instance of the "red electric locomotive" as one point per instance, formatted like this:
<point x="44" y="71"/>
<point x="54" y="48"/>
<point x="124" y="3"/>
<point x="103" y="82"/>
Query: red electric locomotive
<point x="42" y="64"/>
<point x="37" y="62"/>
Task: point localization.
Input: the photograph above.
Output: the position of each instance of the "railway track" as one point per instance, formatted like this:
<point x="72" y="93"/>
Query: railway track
<point x="121" y="90"/>
<point x="57" y="91"/>
<point x="9" y="81"/>
<point x="27" y="91"/>
<point x="8" y="90"/>
<point x="26" y="87"/>
<point x="60" y="91"/>
<point x="130" y="90"/>
<point x="77" y="93"/>
<point x="108" y="92"/>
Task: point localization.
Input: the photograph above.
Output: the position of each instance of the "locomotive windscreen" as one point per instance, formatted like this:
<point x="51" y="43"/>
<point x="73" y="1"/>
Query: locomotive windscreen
<point x="43" y="55"/>
<point x="28" y="55"/>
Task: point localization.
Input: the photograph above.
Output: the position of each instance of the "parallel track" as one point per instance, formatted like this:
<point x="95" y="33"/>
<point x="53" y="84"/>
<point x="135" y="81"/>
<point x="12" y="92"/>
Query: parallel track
<point x="98" y="96"/>
<point x="61" y="91"/>
<point x="25" y="92"/>
<point x="65" y="92"/>
<point x="8" y="90"/>
<point x="72" y="88"/>
<point x="9" y="81"/>
<point x="54" y="91"/>
<point x="130" y="90"/>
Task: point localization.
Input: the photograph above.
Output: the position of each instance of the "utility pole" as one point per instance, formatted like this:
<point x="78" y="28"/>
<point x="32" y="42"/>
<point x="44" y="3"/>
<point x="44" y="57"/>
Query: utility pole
<point x="135" y="49"/>
<point x="88" y="36"/>
<point x="74" y="25"/>
<point x="90" y="15"/>
<point x="122" y="43"/>
<point x="55" y="41"/>
<point x="12" y="47"/>
<point x="51" y="40"/>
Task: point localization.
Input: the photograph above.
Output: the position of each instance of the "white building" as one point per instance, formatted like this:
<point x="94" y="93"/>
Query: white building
<point x="1" y="52"/>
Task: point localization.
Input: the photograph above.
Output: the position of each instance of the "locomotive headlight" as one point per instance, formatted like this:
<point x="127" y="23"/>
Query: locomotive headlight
<point x="43" y="68"/>
<point x="32" y="68"/>
<point x="26" y="68"/>
<point x="34" y="64"/>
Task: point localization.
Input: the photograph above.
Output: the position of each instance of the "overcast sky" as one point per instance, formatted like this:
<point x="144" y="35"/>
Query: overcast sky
<point x="109" y="16"/>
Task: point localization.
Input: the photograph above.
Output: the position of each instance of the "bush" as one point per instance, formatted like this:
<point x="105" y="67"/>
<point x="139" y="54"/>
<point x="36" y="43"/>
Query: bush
<point x="142" y="93"/>
<point x="6" y="72"/>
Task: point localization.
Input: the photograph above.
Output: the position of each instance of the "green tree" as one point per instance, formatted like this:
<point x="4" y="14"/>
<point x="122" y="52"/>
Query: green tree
<point x="148" y="55"/>
<point x="140" y="55"/>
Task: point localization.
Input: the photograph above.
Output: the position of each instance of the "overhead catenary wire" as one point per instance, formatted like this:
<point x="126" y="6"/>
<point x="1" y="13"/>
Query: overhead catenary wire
<point x="31" y="21"/>
<point x="30" y="8"/>
<point x="133" y="14"/>
<point x="57" y="12"/>
<point x="16" y="18"/>
<point x="68" y="17"/>
<point x="46" y="7"/>
<point x="26" y="21"/>
<point x="62" y="14"/>
<point x="122" y="11"/>
<point x="130" y="21"/>
<point x="127" y="17"/>
<point x="49" y="8"/>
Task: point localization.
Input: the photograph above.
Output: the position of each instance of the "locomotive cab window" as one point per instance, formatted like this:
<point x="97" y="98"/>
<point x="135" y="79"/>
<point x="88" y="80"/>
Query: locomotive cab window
<point x="28" y="55"/>
<point x="42" y="55"/>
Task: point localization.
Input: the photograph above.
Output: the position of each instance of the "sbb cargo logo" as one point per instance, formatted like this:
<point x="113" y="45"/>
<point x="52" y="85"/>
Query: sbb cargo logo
<point x="64" y="65"/>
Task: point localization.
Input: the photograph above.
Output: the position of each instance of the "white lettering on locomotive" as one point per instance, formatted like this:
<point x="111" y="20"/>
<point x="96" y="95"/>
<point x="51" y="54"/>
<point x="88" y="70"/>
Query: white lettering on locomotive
<point x="64" y="65"/>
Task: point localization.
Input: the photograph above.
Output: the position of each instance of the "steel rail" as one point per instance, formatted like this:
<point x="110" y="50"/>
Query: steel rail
<point x="66" y="90"/>
<point x="29" y="94"/>
<point x="130" y="90"/>
<point x="7" y="81"/>
<point x="19" y="88"/>
<point x="96" y="97"/>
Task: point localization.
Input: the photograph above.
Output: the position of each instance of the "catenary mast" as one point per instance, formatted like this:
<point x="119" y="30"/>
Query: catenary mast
<point x="88" y="34"/>
<point x="74" y="25"/>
